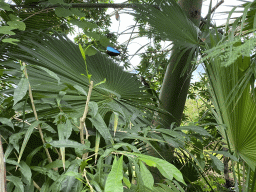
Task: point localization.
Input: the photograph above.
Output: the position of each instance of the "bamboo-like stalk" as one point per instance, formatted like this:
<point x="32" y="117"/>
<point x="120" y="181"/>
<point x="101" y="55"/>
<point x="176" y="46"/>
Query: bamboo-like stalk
<point x="2" y="169"/>
<point x="83" y="118"/>
<point x="35" y="113"/>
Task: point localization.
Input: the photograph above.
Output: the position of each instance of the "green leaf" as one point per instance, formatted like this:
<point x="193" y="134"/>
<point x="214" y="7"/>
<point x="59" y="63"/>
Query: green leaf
<point x="80" y="89"/>
<point x="84" y="24"/>
<point x="56" y="164"/>
<point x="218" y="164"/>
<point x="127" y="182"/>
<point x="21" y="90"/>
<point x="82" y="52"/>
<point x="226" y="154"/>
<point x="77" y="12"/>
<point x="67" y="143"/>
<point x="6" y="121"/>
<point x="101" y="126"/>
<point x="50" y="173"/>
<point x="31" y="155"/>
<point x="62" y="12"/>
<point x="90" y="51"/>
<point x="93" y="35"/>
<point x="70" y="183"/>
<point x="104" y="41"/>
<point x="17" y="25"/>
<point x="5" y="6"/>
<point x="114" y="179"/>
<point x="146" y="176"/>
<point x="52" y="74"/>
<point x="166" y="169"/>
<point x="196" y="129"/>
<point x="6" y="30"/>
<point x="93" y="107"/>
<point x="14" y="140"/>
<point x="10" y="40"/>
<point x="26" y="172"/>
<point x="148" y="162"/>
<point x="17" y="182"/>
<point x="27" y="136"/>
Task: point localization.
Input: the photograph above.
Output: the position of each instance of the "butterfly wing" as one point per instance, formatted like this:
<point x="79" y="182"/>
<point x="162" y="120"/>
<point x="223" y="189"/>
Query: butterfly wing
<point x="112" y="52"/>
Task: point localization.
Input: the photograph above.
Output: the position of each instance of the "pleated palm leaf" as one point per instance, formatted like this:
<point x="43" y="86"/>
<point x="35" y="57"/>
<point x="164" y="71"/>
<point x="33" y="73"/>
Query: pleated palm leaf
<point x="234" y="104"/>
<point x="55" y="64"/>
<point x="168" y="20"/>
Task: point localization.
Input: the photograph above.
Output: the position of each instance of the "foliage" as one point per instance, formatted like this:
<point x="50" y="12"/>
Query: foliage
<point x="72" y="120"/>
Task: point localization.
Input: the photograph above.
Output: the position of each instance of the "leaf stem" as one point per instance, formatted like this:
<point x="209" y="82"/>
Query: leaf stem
<point x="83" y="118"/>
<point x="35" y="113"/>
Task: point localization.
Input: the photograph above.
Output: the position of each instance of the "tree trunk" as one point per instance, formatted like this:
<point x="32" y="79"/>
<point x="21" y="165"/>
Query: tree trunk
<point x="175" y="85"/>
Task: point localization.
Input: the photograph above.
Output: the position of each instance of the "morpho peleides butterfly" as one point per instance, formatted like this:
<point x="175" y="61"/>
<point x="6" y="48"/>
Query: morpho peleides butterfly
<point x="112" y="52"/>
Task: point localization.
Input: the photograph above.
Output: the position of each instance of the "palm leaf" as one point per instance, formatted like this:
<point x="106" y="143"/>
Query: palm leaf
<point x="169" y="21"/>
<point x="63" y="59"/>
<point x="235" y="110"/>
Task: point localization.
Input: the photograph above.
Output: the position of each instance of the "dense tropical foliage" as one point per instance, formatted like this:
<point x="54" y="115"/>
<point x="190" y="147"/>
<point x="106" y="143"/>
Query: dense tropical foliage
<point x="73" y="119"/>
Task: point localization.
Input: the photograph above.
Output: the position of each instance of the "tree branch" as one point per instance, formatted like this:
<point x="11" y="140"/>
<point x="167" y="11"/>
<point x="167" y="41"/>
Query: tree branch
<point x="81" y="5"/>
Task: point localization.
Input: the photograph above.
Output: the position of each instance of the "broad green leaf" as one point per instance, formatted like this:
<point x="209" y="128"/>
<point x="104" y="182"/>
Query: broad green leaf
<point x="114" y="179"/>
<point x="62" y="12"/>
<point x="67" y="143"/>
<point x="77" y="12"/>
<point x="80" y="89"/>
<point x="127" y="182"/>
<point x="5" y="6"/>
<point x="6" y="30"/>
<point x="17" y="182"/>
<point x="166" y="169"/>
<point x="118" y="145"/>
<point x="6" y="121"/>
<point x="148" y="162"/>
<point x="93" y="35"/>
<point x="84" y="24"/>
<point x="15" y="138"/>
<point x="26" y="172"/>
<point x="146" y="176"/>
<point x="90" y="51"/>
<point x="17" y="25"/>
<point x="74" y="174"/>
<point x="56" y="164"/>
<point x="104" y="41"/>
<point x="101" y="126"/>
<point x="170" y="140"/>
<point x="196" y="129"/>
<point x="10" y="40"/>
<point x="32" y="154"/>
<point x="52" y="74"/>
<point x="27" y="136"/>
<point x="49" y="172"/>
<point x="21" y="90"/>
<point x="93" y="107"/>
<point x="218" y="164"/>
<point x="70" y="183"/>
<point x="226" y="154"/>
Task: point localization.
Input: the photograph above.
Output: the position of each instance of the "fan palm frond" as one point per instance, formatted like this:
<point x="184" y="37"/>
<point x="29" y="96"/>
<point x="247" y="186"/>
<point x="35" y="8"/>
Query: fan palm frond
<point x="55" y="64"/>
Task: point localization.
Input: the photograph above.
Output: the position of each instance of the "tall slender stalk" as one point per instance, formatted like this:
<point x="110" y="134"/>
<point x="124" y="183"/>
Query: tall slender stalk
<point x="83" y="118"/>
<point x="35" y="113"/>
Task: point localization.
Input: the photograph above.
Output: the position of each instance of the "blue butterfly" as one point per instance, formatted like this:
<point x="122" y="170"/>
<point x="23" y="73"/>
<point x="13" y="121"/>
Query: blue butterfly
<point x="112" y="52"/>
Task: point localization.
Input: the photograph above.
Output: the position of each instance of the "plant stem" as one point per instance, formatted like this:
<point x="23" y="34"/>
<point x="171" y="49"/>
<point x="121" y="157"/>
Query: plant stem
<point x="83" y="118"/>
<point x="35" y="113"/>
